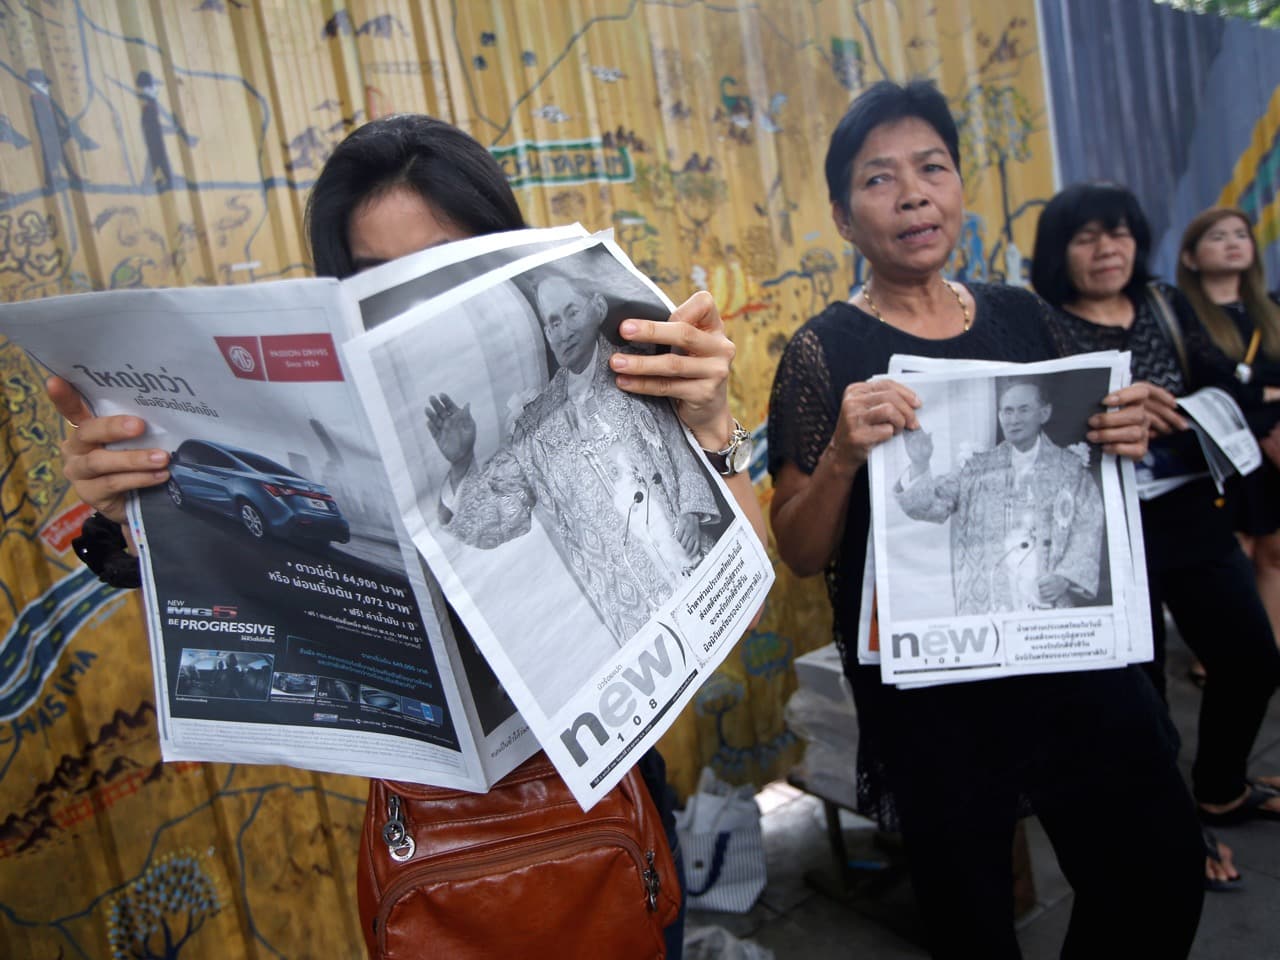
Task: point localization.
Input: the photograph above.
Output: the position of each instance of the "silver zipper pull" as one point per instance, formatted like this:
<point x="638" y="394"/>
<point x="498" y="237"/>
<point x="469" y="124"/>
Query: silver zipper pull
<point x="400" y="845"/>
<point x="652" y="882"/>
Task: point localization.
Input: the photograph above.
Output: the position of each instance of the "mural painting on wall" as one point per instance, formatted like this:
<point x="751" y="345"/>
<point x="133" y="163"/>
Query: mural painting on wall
<point x="1253" y="184"/>
<point x="137" y="151"/>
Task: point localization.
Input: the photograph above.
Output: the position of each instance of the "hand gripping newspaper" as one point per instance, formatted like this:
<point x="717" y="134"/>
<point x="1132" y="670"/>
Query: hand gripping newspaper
<point x="594" y="569"/>
<point x="1002" y="542"/>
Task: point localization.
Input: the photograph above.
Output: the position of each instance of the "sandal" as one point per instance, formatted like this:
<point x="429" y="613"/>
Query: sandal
<point x="1213" y="851"/>
<point x="1252" y="807"/>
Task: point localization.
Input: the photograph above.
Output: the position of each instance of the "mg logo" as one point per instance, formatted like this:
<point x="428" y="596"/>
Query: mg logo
<point x="241" y="358"/>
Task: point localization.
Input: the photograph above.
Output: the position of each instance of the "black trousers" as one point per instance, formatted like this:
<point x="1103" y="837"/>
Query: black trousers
<point x="1094" y="753"/>
<point x="1196" y="568"/>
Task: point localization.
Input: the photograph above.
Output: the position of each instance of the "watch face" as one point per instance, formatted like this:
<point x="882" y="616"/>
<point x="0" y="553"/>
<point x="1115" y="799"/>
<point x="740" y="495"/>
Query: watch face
<point x="740" y="458"/>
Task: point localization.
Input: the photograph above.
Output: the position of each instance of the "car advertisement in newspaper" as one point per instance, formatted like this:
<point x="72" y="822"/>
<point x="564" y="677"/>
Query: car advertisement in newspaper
<point x="290" y="621"/>
<point x="589" y="549"/>
<point x="1002" y="542"/>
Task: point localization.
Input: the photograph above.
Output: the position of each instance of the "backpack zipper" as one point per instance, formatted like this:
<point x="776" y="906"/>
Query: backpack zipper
<point x="400" y="844"/>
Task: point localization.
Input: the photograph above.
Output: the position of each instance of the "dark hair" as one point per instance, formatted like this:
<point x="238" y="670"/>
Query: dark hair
<point x="885" y="102"/>
<point x="1005" y="384"/>
<point x="1077" y="206"/>
<point x="448" y="168"/>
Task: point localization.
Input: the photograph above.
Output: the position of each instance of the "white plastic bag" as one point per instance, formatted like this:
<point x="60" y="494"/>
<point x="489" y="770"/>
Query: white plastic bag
<point x="819" y="719"/>
<point x="723" y="847"/>
<point x="717" y="943"/>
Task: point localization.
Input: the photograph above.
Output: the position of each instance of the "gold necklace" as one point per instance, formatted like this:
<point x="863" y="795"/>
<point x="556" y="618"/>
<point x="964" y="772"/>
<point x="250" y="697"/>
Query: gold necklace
<point x="964" y="311"/>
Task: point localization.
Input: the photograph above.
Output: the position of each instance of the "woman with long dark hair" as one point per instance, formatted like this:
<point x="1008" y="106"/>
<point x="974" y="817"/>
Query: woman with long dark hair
<point x="1220" y="274"/>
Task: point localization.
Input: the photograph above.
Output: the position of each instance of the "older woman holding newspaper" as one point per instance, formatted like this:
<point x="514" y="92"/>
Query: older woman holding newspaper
<point x="1092" y="751"/>
<point x="395" y="186"/>
<point x="1091" y="262"/>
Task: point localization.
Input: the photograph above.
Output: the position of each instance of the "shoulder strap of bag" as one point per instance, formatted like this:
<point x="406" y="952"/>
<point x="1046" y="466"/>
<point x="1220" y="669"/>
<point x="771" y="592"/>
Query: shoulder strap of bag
<point x="1172" y="329"/>
<point x="1251" y="352"/>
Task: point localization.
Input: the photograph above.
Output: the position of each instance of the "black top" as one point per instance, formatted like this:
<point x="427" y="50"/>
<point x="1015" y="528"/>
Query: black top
<point x="1265" y="371"/>
<point x="1255" y="499"/>
<point x="1154" y="357"/>
<point x="1155" y="360"/>
<point x="844" y="345"/>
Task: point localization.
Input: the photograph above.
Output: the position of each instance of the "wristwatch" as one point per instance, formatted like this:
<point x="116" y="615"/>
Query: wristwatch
<point x="736" y="456"/>
<point x="102" y="548"/>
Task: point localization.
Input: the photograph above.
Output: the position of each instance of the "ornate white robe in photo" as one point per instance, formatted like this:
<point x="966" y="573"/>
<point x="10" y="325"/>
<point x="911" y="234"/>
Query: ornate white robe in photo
<point x="611" y="475"/>
<point x="1015" y="518"/>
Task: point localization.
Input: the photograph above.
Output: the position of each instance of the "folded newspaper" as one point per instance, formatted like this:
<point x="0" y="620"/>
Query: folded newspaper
<point x="1222" y="441"/>
<point x="1002" y="542"/>
<point x="594" y="568"/>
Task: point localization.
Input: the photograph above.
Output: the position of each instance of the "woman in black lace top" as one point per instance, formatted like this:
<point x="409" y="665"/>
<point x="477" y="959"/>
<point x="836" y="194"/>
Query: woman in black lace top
<point x="1092" y="751"/>
<point x="1221" y="276"/>
<point x="1090" y="261"/>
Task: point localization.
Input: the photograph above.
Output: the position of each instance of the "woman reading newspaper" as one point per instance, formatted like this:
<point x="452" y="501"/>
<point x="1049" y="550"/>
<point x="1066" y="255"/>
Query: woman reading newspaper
<point x="396" y="186"/>
<point x="1090" y="261"/>
<point x="1093" y="752"/>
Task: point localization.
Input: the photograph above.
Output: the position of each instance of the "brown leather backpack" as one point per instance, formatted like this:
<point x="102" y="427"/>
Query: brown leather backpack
<point x="519" y="871"/>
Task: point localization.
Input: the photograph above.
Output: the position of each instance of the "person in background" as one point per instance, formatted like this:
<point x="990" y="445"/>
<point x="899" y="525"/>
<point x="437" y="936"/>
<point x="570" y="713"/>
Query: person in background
<point x="1093" y="751"/>
<point x="1220" y="274"/>
<point x="1090" y="262"/>
<point x="393" y="187"/>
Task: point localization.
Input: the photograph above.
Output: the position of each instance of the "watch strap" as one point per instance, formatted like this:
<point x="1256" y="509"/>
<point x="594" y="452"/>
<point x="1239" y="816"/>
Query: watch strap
<point x="102" y="548"/>
<point x="722" y="460"/>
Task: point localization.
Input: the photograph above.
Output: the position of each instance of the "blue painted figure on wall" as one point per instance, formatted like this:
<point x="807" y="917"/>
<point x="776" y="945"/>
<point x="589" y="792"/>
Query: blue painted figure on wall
<point x="156" y="122"/>
<point x="53" y="129"/>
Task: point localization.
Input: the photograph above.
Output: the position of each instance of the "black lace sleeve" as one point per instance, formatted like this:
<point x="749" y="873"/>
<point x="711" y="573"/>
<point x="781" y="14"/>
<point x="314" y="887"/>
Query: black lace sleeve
<point x="802" y="412"/>
<point x="1065" y="344"/>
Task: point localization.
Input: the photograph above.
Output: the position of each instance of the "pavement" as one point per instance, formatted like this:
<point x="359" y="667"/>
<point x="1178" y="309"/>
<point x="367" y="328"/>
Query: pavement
<point x="794" y="918"/>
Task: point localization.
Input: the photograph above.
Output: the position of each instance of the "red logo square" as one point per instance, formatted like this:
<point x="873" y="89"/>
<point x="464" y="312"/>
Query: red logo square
<point x="243" y="356"/>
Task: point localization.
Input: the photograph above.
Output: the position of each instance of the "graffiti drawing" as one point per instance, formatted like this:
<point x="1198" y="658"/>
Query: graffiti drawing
<point x="53" y="129"/>
<point x="996" y="124"/>
<point x="156" y="123"/>
<point x="155" y="916"/>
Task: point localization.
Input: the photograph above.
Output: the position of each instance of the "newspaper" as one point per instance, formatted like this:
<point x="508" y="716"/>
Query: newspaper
<point x="1218" y="422"/>
<point x="597" y="560"/>
<point x="291" y="618"/>
<point x="1228" y="444"/>
<point x="1219" y="440"/>
<point x="1042" y="569"/>
<point x="1139" y="613"/>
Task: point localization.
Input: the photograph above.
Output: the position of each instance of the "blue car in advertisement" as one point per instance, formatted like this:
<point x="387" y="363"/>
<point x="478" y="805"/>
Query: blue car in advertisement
<point x="265" y="497"/>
